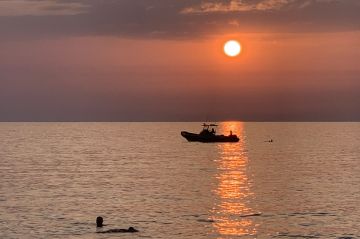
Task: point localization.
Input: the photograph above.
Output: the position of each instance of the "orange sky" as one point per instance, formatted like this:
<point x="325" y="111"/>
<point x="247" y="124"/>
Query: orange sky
<point x="280" y="75"/>
<point x="311" y="51"/>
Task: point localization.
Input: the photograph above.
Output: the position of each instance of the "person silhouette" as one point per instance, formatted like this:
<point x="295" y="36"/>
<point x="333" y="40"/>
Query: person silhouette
<point x="100" y="221"/>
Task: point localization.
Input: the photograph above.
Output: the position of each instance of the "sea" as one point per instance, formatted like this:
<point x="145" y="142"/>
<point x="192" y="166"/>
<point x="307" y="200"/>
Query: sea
<point x="56" y="178"/>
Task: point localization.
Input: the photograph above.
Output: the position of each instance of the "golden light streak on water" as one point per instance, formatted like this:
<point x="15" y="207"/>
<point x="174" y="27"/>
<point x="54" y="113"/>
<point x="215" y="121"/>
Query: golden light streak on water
<point x="231" y="213"/>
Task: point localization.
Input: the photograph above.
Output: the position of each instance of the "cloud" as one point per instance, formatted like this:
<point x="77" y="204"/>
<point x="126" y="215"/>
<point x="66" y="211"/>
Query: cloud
<point x="235" y="6"/>
<point x="253" y="5"/>
<point x="164" y="19"/>
<point x="40" y="7"/>
<point x="305" y="4"/>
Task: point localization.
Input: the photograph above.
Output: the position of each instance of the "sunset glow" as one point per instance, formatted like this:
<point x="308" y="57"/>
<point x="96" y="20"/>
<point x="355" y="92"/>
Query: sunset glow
<point x="180" y="119"/>
<point x="192" y="59"/>
<point x="232" y="48"/>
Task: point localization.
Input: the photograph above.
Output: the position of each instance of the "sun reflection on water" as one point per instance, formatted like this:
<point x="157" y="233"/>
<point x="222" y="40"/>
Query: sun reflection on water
<point x="232" y="211"/>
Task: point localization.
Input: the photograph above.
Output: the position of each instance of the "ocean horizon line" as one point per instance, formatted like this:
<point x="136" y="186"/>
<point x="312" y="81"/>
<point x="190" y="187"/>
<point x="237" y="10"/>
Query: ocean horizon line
<point x="216" y="121"/>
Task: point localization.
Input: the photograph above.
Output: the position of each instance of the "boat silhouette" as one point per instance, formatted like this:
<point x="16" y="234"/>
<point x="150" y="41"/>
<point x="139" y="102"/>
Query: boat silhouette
<point x="208" y="135"/>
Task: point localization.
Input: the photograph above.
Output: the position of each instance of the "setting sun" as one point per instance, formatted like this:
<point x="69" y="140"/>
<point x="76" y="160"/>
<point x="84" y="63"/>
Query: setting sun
<point x="232" y="48"/>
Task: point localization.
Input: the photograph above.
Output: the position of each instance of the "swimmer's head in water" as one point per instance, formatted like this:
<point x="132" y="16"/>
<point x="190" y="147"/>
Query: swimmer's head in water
<point x="99" y="221"/>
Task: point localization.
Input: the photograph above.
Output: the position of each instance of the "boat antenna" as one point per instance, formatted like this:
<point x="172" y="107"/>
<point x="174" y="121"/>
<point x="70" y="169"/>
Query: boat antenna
<point x="206" y="118"/>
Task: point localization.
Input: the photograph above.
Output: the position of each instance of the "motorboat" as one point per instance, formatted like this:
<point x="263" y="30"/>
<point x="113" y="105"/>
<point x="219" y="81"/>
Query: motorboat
<point x="208" y="135"/>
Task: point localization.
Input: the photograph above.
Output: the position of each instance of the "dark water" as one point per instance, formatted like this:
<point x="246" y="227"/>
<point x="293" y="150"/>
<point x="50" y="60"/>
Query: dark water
<point x="57" y="177"/>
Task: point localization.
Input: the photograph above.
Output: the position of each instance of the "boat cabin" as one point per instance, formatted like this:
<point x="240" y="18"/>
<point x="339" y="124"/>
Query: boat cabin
<point x="208" y="128"/>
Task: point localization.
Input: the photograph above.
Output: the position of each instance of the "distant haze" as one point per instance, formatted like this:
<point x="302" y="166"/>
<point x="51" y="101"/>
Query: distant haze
<point x="148" y="60"/>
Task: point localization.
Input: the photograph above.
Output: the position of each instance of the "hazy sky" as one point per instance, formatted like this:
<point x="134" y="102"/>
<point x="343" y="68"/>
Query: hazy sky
<point x="162" y="60"/>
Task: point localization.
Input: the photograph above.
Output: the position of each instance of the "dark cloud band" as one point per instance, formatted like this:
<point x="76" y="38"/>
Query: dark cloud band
<point x="176" y="19"/>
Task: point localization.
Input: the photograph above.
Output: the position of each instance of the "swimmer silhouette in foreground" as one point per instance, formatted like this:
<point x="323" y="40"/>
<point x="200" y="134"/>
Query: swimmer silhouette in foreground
<point x="99" y="224"/>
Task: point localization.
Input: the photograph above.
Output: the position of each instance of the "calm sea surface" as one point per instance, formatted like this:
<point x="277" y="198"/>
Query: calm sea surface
<point x="56" y="178"/>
